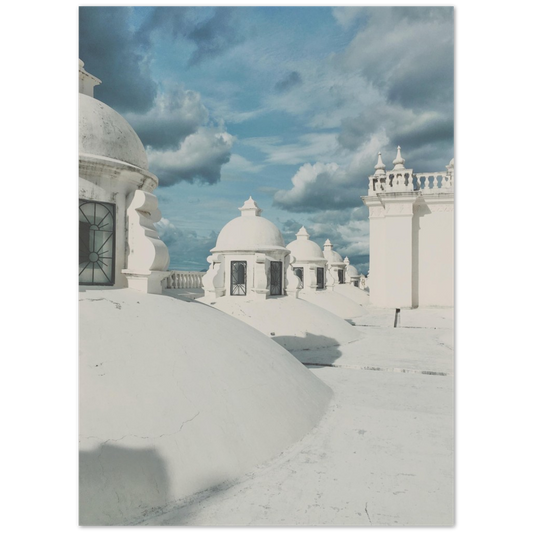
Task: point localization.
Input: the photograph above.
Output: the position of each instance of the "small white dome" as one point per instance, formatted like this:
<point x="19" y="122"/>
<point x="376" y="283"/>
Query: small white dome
<point x="103" y="132"/>
<point x="332" y="256"/>
<point x="351" y="271"/>
<point x="305" y="250"/>
<point x="249" y="232"/>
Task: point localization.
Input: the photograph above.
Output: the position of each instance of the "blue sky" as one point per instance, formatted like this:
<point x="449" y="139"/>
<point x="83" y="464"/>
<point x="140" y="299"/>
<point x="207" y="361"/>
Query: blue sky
<point x="289" y="105"/>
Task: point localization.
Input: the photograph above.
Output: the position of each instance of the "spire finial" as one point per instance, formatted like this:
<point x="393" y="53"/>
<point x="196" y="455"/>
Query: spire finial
<point x="328" y="244"/>
<point x="250" y="209"/>
<point x="346" y="260"/>
<point x="399" y="161"/>
<point x="302" y="234"/>
<point x="380" y="167"/>
<point x="87" y="81"/>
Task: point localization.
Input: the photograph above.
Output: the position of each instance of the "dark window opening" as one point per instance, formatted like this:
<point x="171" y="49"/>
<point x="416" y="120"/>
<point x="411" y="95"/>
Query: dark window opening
<point x="276" y="271"/>
<point x="319" y="278"/>
<point x="300" y="273"/>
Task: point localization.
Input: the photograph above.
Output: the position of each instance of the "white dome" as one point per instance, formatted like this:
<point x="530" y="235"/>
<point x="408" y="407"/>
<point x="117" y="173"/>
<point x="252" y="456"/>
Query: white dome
<point x="103" y="132"/>
<point x="249" y="232"/>
<point x="351" y="271"/>
<point x="332" y="256"/>
<point x="304" y="249"/>
<point x="201" y="410"/>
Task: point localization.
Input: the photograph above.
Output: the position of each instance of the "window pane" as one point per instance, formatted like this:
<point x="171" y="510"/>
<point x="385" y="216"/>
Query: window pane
<point x="96" y="243"/>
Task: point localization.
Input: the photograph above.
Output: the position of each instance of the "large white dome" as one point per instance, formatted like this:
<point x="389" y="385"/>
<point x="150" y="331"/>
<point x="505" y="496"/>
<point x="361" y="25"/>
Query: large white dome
<point x="249" y="232"/>
<point x="176" y="398"/>
<point x="304" y="249"/>
<point x="103" y="132"/>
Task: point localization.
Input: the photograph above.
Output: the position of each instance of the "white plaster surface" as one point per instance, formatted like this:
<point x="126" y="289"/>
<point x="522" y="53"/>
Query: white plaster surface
<point x="291" y="322"/>
<point x="354" y="293"/>
<point x="334" y="302"/>
<point x="103" y="132"/>
<point x="382" y="456"/>
<point x="176" y="398"/>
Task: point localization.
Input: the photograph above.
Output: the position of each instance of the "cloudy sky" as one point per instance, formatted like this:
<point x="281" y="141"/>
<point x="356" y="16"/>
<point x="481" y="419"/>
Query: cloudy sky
<point x="289" y="105"/>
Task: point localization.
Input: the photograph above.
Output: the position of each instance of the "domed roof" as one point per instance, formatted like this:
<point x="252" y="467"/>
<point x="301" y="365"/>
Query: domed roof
<point x="305" y="250"/>
<point x="351" y="271"/>
<point x="331" y="255"/>
<point x="249" y="232"/>
<point x="103" y="132"/>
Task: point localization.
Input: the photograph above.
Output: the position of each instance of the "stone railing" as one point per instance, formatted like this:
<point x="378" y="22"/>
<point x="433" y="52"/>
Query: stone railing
<point x="180" y="279"/>
<point x="407" y="181"/>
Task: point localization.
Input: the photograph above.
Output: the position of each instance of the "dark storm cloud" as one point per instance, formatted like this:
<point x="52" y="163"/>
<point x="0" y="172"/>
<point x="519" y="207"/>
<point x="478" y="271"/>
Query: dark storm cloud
<point x="216" y="35"/>
<point x="120" y="56"/>
<point x="111" y="52"/>
<point x="288" y="82"/>
<point x="212" y="36"/>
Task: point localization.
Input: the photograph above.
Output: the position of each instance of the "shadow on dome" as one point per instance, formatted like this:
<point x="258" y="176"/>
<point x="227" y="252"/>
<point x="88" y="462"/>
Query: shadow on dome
<point x="328" y="347"/>
<point x="136" y="483"/>
<point x="325" y="354"/>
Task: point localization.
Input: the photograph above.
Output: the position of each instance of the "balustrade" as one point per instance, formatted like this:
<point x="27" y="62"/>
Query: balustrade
<point x="426" y="183"/>
<point x="179" y="279"/>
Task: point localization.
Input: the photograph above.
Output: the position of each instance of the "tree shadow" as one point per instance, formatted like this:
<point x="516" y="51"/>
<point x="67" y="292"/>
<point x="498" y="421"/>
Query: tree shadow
<point x="118" y="485"/>
<point x="315" y="350"/>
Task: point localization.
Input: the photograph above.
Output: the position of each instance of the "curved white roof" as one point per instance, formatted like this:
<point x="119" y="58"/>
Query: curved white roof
<point x="304" y="249"/>
<point x="103" y="132"/>
<point x="332" y="256"/>
<point x="351" y="271"/>
<point x="249" y="232"/>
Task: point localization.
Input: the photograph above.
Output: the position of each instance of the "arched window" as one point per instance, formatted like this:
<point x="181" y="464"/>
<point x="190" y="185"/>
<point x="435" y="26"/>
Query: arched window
<point x="341" y="275"/>
<point x="96" y="243"/>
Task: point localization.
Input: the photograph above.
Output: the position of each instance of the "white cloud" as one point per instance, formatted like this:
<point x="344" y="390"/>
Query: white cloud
<point x="176" y="114"/>
<point x="199" y="157"/>
<point x="240" y="164"/>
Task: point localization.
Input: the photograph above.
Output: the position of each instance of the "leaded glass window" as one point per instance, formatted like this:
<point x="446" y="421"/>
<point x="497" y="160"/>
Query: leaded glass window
<point x="96" y="243"/>
<point x="238" y="278"/>
<point x="276" y="270"/>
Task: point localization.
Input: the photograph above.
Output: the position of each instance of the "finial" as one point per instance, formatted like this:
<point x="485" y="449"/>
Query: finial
<point x="328" y="244"/>
<point x="346" y="260"/>
<point x="399" y="161"/>
<point x="250" y="209"/>
<point x="302" y="234"/>
<point x="87" y="81"/>
<point x="380" y="167"/>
